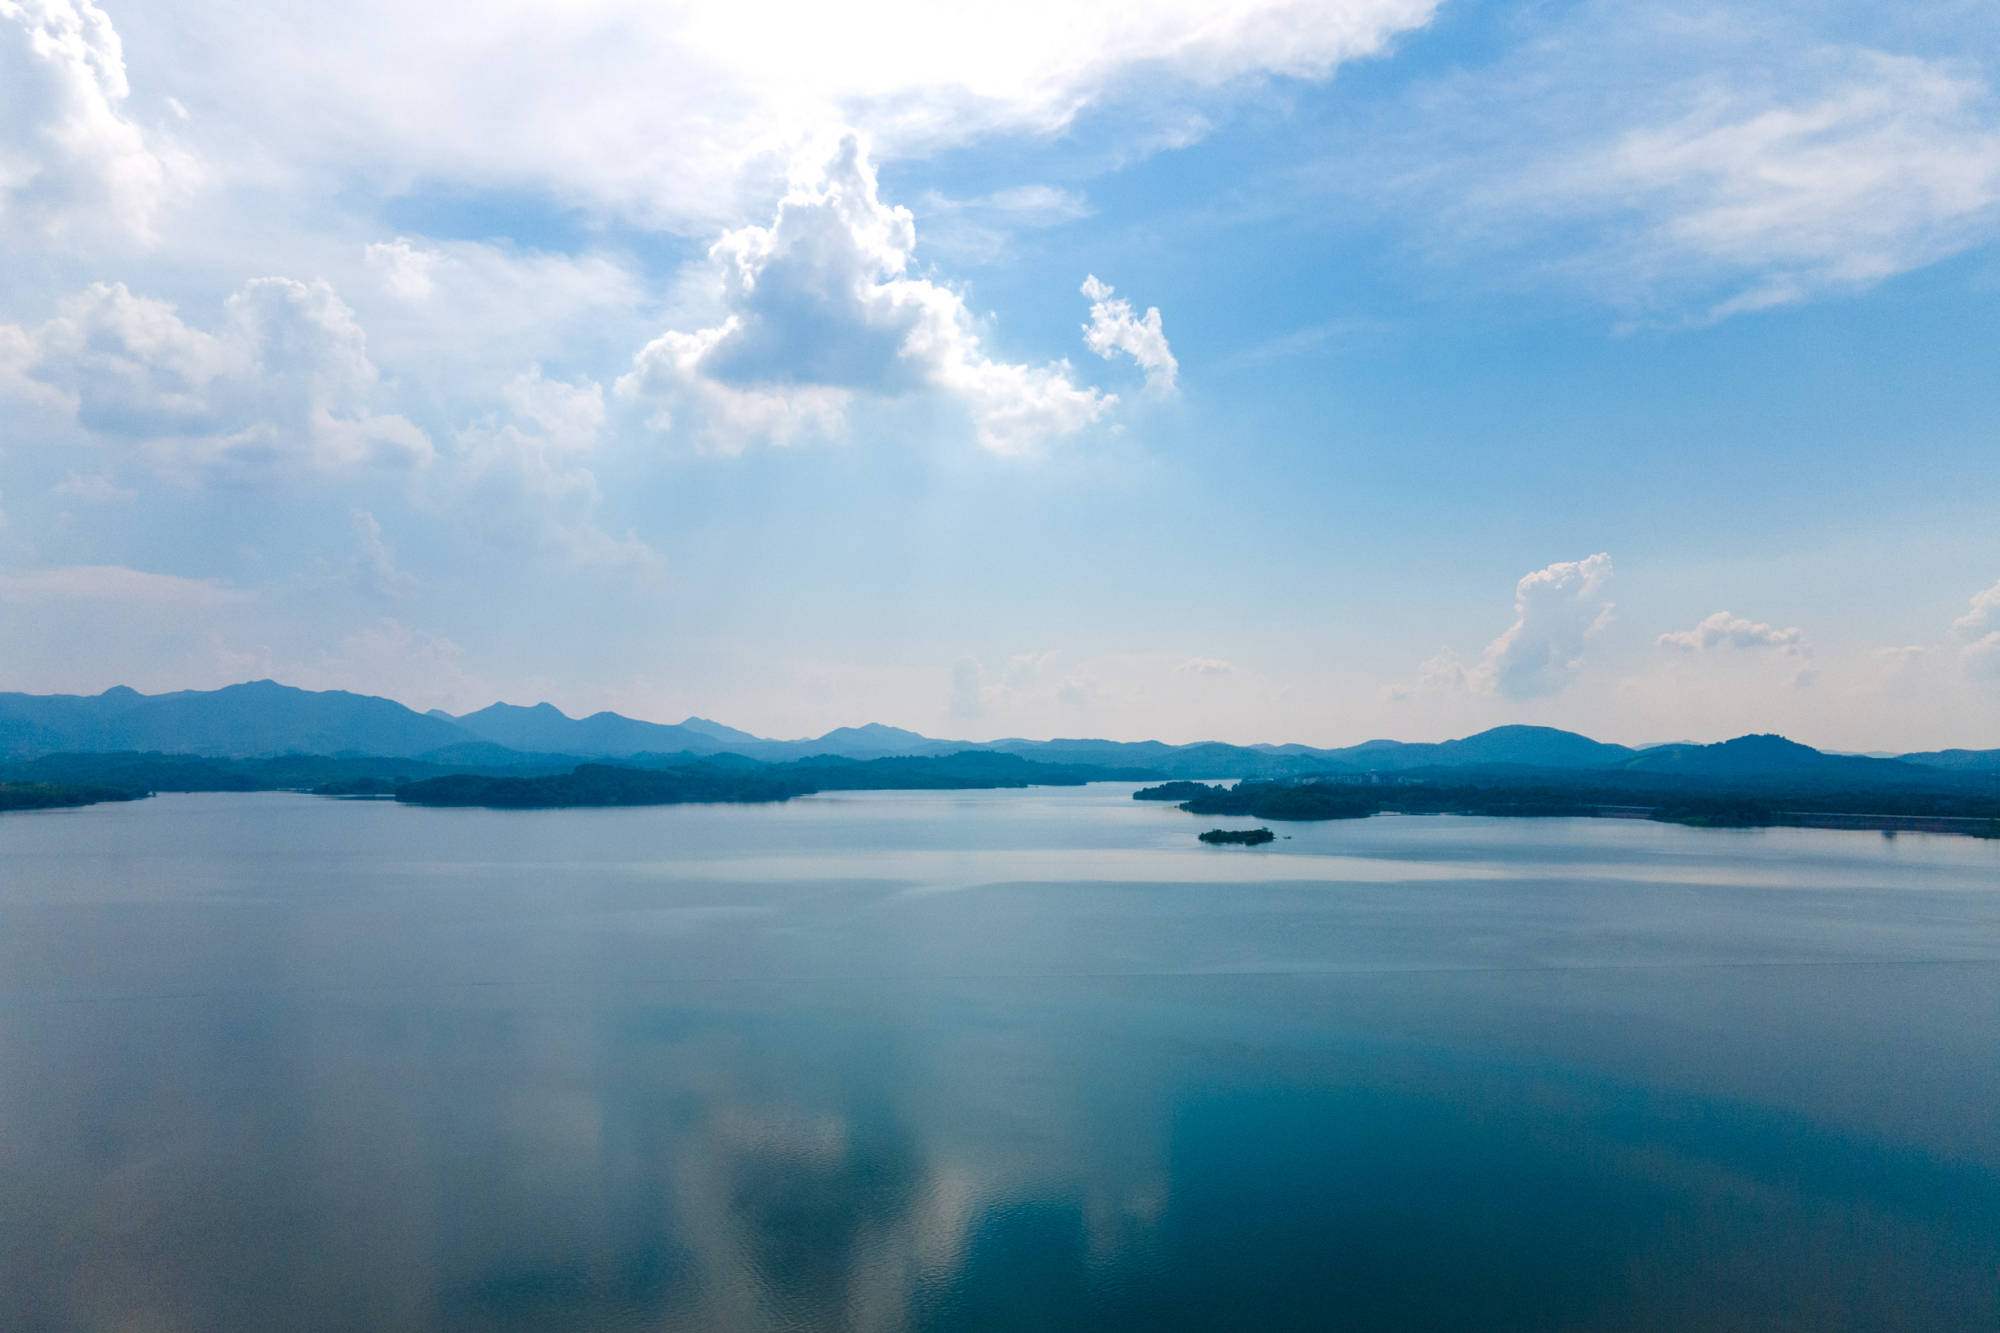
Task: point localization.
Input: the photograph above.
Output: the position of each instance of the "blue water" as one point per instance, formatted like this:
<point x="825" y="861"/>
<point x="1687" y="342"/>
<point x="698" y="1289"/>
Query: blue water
<point x="988" y="1060"/>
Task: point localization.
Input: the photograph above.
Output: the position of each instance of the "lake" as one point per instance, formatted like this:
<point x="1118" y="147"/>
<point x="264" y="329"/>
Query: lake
<point x="988" y="1060"/>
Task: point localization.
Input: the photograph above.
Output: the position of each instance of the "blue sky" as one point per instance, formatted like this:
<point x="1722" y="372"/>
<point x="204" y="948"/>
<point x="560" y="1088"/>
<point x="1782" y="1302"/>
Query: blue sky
<point x="1275" y="370"/>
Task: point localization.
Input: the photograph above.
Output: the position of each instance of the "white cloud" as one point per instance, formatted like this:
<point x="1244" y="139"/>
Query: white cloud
<point x="1556" y="611"/>
<point x="1888" y="164"/>
<point x="1113" y="328"/>
<point x="1982" y="656"/>
<point x="18" y="354"/>
<point x="819" y="308"/>
<point x="73" y="164"/>
<point x="1206" y="666"/>
<point x="113" y="583"/>
<point x="981" y="229"/>
<point x="1723" y="630"/>
<point x="404" y="268"/>
<point x="1982" y="616"/>
<point x="283" y="388"/>
<point x="655" y="111"/>
<point x="1980" y="628"/>
<point x="1695" y="162"/>
<point x="1035" y="205"/>
<point x="549" y="426"/>
<point x="374" y="568"/>
<point x="522" y="475"/>
<point x="452" y="318"/>
<point x="1017" y="205"/>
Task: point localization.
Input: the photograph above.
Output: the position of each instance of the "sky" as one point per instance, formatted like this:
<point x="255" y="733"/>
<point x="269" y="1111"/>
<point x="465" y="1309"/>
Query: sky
<point x="1251" y="370"/>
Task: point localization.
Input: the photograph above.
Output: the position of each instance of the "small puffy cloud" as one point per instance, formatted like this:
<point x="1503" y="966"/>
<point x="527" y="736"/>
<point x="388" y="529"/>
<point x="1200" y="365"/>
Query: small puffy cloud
<point x="1723" y="630"/>
<point x="1113" y="329"/>
<point x="1206" y="666"/>
<point x="73" y="164"/>
<point x="1980" y="628"/>
<point x="404" y="268"/>
<point x="1443" y="671"/>
<point x="1556" y="611"/>
<point x="283" y="387"/>
<point x="1982" y="617"/>
<point x="819" y="307"/>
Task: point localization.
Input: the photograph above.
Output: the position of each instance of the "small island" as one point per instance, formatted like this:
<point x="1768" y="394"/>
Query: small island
<point x="1248" y="837"/>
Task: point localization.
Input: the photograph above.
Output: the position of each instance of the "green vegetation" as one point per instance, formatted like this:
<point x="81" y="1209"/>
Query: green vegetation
<point x="607" y="784"/>
<point x="1286" y="800"/>
<point x="1745" y="792"/>
<point x="1248" y="837"/>
<point x="59" y="795"/>
<point x="1174" y="791"/>
<point x="1933" y="804"/>
<point x="152" y="772"/>
<point x="595" y="784"/>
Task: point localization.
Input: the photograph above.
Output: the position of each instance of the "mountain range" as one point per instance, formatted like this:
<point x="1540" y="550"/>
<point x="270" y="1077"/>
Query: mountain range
<point x="264" y="718"/>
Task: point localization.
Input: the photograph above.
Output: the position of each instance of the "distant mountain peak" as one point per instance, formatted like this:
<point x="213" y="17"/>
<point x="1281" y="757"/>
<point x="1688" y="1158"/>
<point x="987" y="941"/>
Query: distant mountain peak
<point x="1765" y="741"/>
<point x="718" y="731"/>
<point x="544" y="709"/>
<point x="876" y="731"/>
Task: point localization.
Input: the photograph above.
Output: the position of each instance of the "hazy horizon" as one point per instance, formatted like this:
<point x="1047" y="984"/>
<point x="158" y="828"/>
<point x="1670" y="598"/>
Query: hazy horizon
<point x="853" y="724"/>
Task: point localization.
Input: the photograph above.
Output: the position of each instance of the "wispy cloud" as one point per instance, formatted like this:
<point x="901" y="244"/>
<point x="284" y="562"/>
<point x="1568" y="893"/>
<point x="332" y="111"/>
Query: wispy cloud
<point x="1688" y="164"/>
<point x="114" y="583"/>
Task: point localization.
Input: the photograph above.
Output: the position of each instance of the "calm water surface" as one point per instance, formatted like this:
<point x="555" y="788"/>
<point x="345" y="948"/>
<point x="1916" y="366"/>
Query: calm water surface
<point x="1000" y="1060"/>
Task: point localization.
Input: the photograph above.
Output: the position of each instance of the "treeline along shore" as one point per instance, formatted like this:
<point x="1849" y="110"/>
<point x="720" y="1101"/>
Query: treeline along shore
<point x="1951" y="807"/>
<point x="533" y="782"/>
<point x="1902" y="797"/>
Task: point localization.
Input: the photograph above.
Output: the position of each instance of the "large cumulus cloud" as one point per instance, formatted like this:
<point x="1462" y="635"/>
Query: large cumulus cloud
<point x="282" y="386"/>
<point x="821" y="306"/>
<point x="1556" y="611"/>
<point x="74" y="164"/>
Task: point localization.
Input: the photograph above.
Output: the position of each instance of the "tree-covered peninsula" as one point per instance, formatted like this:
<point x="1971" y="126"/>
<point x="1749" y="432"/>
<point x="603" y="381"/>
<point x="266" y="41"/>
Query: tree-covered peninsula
<point x="59" y="795"/>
